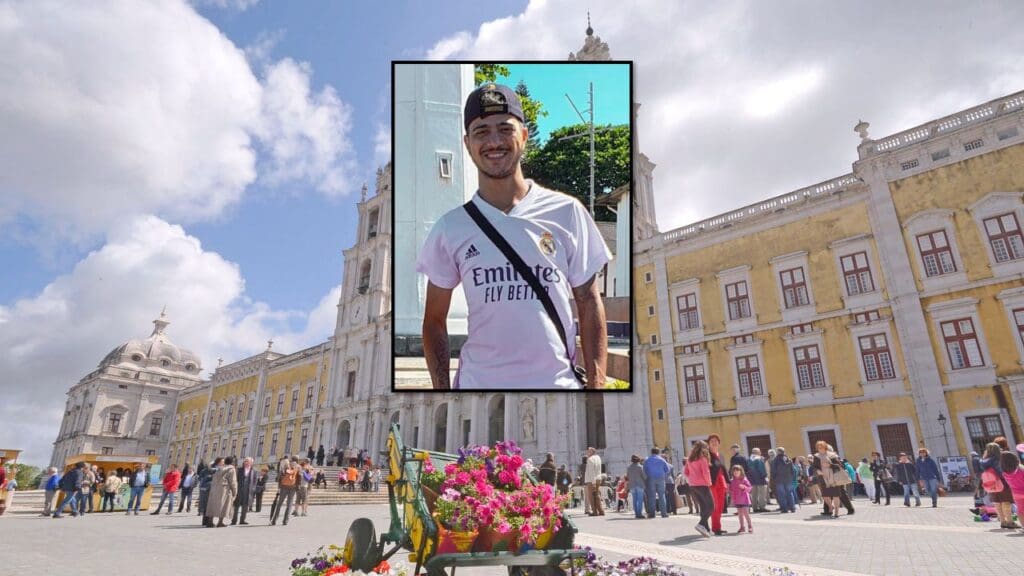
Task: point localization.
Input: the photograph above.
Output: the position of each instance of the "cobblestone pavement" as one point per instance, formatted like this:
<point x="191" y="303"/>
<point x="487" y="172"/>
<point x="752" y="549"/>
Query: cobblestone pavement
<point x="876" y="540"/>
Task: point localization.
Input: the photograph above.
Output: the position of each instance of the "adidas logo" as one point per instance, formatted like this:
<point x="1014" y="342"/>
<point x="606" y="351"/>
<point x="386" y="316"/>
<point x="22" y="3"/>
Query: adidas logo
<point x="471" y="252"/>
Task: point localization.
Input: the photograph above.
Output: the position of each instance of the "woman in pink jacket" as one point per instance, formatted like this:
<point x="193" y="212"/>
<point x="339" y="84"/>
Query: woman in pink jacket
<point x="698" y="473"/>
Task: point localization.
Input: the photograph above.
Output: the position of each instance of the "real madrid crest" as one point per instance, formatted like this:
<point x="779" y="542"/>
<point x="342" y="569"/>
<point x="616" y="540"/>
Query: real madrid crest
<point x="547" y="243"/>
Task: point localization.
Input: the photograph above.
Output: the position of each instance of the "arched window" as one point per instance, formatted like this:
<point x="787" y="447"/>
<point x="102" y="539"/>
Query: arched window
<point x="496" y="419"/>
<point x="441" y="428"/>
<point x="344" y="434"/>
<point x="364" y="277"/>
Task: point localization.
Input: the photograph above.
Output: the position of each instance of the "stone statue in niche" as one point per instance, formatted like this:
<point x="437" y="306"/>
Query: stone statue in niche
<point x="527" y="414"/>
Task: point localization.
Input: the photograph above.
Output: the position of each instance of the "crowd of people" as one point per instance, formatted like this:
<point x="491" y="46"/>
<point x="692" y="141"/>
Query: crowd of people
<point x="227" y="489"/>
<point x="709" y="483"/>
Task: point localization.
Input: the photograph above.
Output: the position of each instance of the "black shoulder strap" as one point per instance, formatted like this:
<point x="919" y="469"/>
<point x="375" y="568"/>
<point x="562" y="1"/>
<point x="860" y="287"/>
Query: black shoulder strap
<point x="524" y="272"/>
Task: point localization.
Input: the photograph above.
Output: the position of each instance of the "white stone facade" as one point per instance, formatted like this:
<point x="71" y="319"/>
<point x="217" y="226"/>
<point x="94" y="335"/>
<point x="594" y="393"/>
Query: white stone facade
<point x="126" y="406"/>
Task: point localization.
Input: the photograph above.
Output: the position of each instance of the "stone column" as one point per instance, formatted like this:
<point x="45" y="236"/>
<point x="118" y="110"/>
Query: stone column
<point x="453" y="423"/>
<point x="668" y="356"/>
<point x="908" y="315"/>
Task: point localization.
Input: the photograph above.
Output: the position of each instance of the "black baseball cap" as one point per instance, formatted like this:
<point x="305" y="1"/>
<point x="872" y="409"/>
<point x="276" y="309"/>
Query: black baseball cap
<point x="491" y="99"/>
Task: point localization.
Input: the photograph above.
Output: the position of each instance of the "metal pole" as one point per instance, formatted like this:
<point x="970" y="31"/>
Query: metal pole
<point x="591" y="126"/>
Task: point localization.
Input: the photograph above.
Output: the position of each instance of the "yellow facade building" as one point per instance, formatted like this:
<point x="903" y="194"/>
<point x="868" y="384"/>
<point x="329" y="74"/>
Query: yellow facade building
<point x="273" y="398"/>
<point x="880" y="310"/>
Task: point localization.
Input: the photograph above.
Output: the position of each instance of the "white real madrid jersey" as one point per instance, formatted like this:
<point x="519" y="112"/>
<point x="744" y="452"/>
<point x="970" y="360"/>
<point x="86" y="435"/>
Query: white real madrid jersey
<point x="512" y="343"/>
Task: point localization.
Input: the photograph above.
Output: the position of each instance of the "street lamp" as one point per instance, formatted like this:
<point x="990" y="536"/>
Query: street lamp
<point x="942" y="420"/>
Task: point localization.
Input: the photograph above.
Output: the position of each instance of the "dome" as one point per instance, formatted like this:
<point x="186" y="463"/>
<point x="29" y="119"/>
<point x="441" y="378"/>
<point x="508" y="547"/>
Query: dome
<point x="155" y="351"/>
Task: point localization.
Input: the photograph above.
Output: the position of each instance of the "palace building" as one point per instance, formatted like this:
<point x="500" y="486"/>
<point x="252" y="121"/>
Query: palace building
<point x="880" y="310"/>
<point x="126" y="405"/>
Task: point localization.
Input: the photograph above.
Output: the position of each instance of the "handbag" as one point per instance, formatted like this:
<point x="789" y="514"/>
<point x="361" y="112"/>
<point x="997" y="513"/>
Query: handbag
<point x="527" y="274"/>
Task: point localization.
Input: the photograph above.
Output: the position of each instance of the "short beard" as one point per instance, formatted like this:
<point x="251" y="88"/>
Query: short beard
<point x="504" y="174"/>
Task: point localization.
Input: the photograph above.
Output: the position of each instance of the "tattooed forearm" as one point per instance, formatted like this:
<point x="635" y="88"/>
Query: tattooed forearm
<point x="593" y="332"/>
<point x="438" y="355"/>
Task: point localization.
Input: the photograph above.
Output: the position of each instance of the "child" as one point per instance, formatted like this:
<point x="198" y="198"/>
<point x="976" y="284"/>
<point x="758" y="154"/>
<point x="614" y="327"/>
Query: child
<point x="1013" y="474"/>
<point x="739" y="493"/>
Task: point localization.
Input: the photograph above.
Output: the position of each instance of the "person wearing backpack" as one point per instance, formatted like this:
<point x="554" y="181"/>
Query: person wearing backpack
<point x="995" y="485"/>
<point x="287" y="483"/>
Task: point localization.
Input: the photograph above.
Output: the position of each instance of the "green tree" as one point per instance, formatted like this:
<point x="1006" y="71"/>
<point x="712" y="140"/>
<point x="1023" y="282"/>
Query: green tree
<point x="27" y="476"/>
<point x="564" y="165"/>
<point x="488" y="73"/>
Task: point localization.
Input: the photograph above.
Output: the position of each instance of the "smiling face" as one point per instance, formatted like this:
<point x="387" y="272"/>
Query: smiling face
<point x="496" y="144"/>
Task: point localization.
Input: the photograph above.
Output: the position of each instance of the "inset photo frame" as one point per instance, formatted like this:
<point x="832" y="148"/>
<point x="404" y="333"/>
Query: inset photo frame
<point x="512" y="226"/>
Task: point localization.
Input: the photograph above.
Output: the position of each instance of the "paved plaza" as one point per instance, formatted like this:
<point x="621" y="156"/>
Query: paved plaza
<point x="876" y="540"/>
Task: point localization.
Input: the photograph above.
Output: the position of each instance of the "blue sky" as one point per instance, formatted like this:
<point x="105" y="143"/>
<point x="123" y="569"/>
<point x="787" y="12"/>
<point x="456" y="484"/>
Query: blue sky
<point x="286" y="240"/>
<point x="549" y="84"/>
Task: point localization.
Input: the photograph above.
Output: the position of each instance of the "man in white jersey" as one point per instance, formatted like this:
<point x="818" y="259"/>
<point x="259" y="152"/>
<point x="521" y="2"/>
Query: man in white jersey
<point x="513" y="342"/>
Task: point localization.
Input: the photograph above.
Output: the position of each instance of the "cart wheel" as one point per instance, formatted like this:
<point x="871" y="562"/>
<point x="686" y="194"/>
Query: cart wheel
<point x="535" y="571"/>
<point x="360" y="552"/>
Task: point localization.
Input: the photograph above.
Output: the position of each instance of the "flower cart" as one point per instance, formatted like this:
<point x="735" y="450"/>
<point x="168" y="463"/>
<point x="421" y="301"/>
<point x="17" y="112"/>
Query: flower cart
<point x="496" y="515"/>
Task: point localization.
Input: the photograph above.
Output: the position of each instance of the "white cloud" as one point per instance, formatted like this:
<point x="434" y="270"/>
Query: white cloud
<point x="49" y="341"/>
<point x="382" y="144"/>
<point x="149" y="109"/>
<point x="774" y="96"/>
<point x="450" y="46"/>
<point x="237" y="5"/>
<point x="745" y="100"/>
<point x="305" y="134"/>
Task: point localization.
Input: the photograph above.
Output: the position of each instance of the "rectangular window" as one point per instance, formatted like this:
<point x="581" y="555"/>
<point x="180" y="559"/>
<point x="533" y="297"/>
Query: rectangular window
<point x="661" y="414"/>
<point x="691" y="349"/>
<point x="1005" y="237"/>
<point x="445" y="166"/>
<point x="216" y="445"/>
<point x="266" y="406"/>
<point x="288" y="442"/>
<point x="259" y="446"/>
<point x="687" y="306"/>
<point x="748" y="370"/>
<point x="295" y="400"/>
<point x="238" y="414"/>
<point x="647" y="278"/>
<point x="864" y="317"/>
<point x="1018" y="319"/>
<point x="154" y="426"/>
<point x="761" y="441"/>
<point x="962" y="344"/>
<point x="696" y="384"/>
<point x="802" y="328"/>
<point x="220" y="416"/>
<point x="657" y="375"/>
<point x="107" y="450"/>
<point x="303" y="438"/>
<point x="115" y="423"/>
<point x="874" y="352"/>
<point x="234" y="447"/>
<point x="738" y="300"/>
<point x="794" y="287"/>
<point x="309" y="397"/>
<point x="857" y="273"/>
<point x="252" y="405"/>
<point x="984" y="429"/>
<point x="245" y="447"/>
<point x="743" y="339"/>
<point x="654" y="339"/>
<point x="650" y="311"/>
<point x="350" y="386"/>
<point x="273" y="445"/>
<point x="150" y="452"/>
<point x="809" y="372"/>
<point x="280" y="403"/>
<point x="936" y="254"/>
